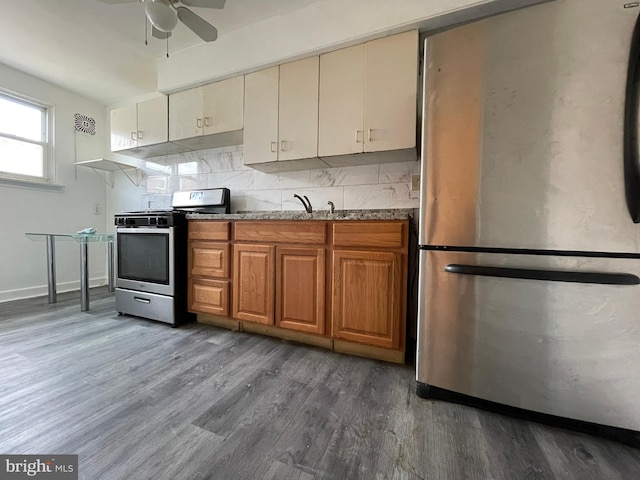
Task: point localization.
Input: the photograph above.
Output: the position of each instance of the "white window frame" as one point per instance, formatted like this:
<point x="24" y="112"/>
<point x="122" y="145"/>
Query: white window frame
<point x="48" y="153"/>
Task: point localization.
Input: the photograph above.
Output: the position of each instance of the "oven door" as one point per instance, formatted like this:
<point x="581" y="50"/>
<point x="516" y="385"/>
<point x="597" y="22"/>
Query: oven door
<point x="146" y="259"/>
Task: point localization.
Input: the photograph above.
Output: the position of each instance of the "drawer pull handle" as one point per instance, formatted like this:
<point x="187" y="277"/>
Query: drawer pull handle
<point x="142" y="300"/>
<point x="548" y="275"/>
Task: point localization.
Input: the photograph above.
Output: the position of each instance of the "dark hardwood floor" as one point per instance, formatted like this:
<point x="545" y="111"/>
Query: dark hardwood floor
<point x="136" y="399"/>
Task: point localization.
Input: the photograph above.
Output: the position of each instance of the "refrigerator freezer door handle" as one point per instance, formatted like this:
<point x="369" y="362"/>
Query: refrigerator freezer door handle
<point x="548" y="275"/>
<point x="631" y="146"/>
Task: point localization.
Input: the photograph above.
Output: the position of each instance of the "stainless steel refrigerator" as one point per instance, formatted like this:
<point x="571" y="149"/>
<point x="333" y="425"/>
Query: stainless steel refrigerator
<point x="529" y="254"/>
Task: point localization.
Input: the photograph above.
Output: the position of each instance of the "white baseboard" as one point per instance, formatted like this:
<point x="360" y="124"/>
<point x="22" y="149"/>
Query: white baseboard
<point x="42" y="290"/>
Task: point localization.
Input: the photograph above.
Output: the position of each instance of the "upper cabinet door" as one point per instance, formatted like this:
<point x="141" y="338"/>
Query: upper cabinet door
<point x="298" y="110"/>
<point x="124" y="128"/>
<point x="223" y="105"/>
<point x="153" y="119"/>
<point x="261" y="116"/>
<point x="341" y="102"/>
<point x="391" y="66"/>
<point x="185" y="114"/>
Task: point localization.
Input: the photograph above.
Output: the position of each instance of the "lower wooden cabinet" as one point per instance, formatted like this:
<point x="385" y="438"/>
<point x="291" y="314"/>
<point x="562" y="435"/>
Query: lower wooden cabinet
<point x="209" y="266"/>
<point x="253" y="286"/>
<point x="300" y="289"/>
<point x="340" y="283"/>
<point x="367" y="291"/>
<point x="209" y="296"/>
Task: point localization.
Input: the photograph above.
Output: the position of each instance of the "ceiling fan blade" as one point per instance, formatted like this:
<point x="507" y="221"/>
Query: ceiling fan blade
<point x="204" y="3"/>
<point x="200" y="26"/>
<point x="159" y="34"/>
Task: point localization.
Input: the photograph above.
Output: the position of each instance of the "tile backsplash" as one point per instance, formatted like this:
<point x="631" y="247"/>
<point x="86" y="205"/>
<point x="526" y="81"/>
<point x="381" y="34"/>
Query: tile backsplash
<point x="357" y="187"/>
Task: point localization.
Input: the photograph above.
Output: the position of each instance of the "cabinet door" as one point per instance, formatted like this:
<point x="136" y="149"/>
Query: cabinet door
<point x="391" y="79"/>
<point x="253" y="281"/>
<point x="341" y="108"/>
<point x="298" y="110"/>
<point x="124" y="127"/>
<point x="223" y="105"/>
<point x="300" y="286"/>
<point x="261" y="116"/>
<point x="208" y="296"/>
<point x="209" y="259"/>
<point x="185" y="114"/>
<point x="367" y="291"/>
<point x="153" y="121"/>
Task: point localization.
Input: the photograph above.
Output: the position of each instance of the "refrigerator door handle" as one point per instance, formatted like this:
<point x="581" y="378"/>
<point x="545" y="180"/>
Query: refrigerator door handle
<point x="548" y="275"/>
<point x="631" y="147"/>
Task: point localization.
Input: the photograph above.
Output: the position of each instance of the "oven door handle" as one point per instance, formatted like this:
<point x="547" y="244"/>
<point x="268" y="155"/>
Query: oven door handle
<point x="142" y="300"/>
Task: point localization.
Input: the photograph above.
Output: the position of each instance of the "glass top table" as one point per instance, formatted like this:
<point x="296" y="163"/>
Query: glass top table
<point x="83" y="240"/>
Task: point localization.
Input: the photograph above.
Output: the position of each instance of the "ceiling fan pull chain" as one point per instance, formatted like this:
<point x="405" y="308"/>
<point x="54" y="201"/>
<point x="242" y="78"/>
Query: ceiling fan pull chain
<point x="167" y="46"/>
<point x="146" y="27"/>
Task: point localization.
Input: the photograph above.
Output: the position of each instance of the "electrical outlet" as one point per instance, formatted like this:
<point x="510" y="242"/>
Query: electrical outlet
<point x="415" y="182"/>
<point x="97" y="209"/>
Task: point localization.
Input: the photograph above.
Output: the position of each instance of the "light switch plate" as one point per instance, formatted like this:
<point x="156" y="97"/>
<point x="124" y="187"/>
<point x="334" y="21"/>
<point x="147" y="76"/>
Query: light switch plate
<point x="415" y="182"/>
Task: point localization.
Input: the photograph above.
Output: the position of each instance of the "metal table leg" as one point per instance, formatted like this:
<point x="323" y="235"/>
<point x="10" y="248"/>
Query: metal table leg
<point x="51" y="268"/>
<point x="112" y="283"/>
<point x="84" y="276"/>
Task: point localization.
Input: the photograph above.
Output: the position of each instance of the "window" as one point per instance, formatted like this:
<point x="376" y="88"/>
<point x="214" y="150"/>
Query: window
<point x="24" y="140"/>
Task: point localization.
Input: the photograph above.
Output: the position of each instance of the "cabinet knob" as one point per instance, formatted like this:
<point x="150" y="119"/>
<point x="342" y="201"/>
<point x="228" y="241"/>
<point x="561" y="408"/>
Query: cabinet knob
<point x="369" y="134"/>
<point x="206" y="121"/>
<point x="282" y="143"/>
<point x="199" y="122"/>
<point x="139" y="135"/>
<point x="274" y="146"/>
<point x="133" y="136"/>
<point x="358" y="136"/>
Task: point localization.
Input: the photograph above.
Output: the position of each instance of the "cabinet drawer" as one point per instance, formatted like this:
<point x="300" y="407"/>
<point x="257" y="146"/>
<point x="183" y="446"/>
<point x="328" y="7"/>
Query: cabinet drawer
<point x="209" y="296"/>
<point x="208" y="230"/>
<point x="370" y="234"/>
<point x="301" y="233"/>
<point x="209" y="259"/>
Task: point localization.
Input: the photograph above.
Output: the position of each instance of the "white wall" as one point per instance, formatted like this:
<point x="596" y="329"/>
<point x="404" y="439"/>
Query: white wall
<point x="23" y="271"/>
<point x="361" y="187"/>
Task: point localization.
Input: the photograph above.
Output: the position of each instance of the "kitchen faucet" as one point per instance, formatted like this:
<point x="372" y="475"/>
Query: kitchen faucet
<point x="307" y="203"/>
<point x="332" y="207"/>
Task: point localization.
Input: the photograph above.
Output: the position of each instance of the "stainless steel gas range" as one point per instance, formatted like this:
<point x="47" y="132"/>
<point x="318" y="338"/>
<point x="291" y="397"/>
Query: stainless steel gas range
<point x="152" y="256"/>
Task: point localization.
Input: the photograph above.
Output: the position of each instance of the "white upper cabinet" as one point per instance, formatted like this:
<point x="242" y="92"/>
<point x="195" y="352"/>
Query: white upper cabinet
<point x="216" y="108"/>
<point x="261" y="116"/>
<point x="124" y="128"/>
<point x="223" y="104"/>
<point x="368" y="97"/>
<point x="341" y="102"/>
<point x="185" y="114"/>
<point x="298" y="110"/>
<point x="153" y="117"/>
<point x="281" y="114"/>
<point x="391" y="87"/>
<point x="139" y="125"/>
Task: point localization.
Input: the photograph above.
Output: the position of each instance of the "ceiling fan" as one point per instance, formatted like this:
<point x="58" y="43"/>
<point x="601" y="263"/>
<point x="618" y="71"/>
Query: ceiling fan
<point x="165" y="14"/>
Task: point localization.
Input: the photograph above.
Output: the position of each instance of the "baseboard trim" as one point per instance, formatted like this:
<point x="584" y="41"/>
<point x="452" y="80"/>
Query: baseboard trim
<point x="42" y="290"/>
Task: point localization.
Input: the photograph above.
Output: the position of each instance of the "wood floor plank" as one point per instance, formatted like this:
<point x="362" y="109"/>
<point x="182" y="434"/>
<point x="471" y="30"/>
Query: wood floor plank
<point x="513" y="448"/>
<point x="139" y="399"/>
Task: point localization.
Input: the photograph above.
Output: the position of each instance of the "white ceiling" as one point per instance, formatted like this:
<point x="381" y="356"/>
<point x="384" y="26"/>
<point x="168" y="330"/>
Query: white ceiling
<point x="98" y="50"/>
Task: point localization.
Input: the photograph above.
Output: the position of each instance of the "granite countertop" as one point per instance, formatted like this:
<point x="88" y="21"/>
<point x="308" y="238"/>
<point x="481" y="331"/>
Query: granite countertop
<point x="387" y="214"/>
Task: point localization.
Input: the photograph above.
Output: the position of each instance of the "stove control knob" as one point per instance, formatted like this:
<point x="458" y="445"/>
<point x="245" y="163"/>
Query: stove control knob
<point x="162" y="221"/>
<point x="130" y="221"/>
